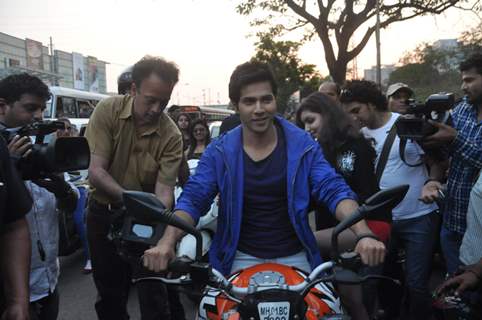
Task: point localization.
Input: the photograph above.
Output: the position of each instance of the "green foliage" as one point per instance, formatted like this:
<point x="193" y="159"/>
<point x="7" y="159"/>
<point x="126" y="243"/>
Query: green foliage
<point x="425" y="79"/>
<point x="471" y="40"/>
<point x="430" y="70"/>
<point x="290" y="72"/>
<point x="335" y="22"/>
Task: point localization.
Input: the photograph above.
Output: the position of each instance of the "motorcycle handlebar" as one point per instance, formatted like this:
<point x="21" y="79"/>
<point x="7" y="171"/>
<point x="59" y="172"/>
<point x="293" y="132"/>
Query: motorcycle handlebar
<point x="183" y="265"/>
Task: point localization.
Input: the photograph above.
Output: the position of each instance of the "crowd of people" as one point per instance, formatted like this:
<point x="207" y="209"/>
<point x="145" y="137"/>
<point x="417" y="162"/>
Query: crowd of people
<point x="268" y="174"/>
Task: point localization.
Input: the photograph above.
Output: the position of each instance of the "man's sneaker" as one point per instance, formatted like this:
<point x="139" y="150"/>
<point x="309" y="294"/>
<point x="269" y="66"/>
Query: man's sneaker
<point x="88" y="267"/>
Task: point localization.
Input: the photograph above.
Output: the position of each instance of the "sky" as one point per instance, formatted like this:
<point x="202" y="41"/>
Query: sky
<point x="205" y="38"/>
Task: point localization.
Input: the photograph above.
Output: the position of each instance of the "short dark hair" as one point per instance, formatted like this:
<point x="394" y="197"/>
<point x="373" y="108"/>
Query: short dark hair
<point x="14" y="86"/>
<point x="248" y="73"/>
<point x="124" y="81"/>
<point x="64" y="119"/>
<point x="167" y="71"/>
<point x="474" y="61"/>
<point x="365" y="92"/>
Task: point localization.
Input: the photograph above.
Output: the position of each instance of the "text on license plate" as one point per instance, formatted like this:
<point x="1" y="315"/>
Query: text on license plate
<point x="274" y="310"/>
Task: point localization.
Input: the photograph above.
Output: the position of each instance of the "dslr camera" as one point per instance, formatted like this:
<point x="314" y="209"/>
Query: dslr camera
<point x="59" y="155"/>
<point x="415" y="125"/>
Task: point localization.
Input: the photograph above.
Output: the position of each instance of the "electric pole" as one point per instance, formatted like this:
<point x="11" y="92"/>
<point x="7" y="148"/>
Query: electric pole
<point x="377" y="36"/>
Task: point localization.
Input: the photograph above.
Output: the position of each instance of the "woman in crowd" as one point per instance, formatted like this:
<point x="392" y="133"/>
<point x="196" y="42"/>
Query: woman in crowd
<point x="200" y="138"/>
<point x="184" y="123"/>
<point x="353" y="157"/>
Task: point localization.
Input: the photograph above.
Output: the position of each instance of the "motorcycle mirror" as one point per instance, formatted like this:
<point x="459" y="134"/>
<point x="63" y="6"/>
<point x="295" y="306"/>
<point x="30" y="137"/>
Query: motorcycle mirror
<point x="386" y="199"/>
<point x="144" y="206"/>
<point x="147" y="208"/>
<point x="382" y="200"/>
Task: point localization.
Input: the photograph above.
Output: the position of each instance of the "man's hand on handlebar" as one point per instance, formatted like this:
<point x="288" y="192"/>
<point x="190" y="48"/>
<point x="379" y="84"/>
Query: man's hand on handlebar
<point x="157" y="258"/>
<point x="372" y="252"/>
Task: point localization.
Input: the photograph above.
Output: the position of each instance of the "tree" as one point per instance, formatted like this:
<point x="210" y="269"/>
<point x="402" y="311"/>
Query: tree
<point x="291" y="74"/>
<point x="430" y="69"/>
<point x="471" y="40"/>
<point x="341" y="18"/>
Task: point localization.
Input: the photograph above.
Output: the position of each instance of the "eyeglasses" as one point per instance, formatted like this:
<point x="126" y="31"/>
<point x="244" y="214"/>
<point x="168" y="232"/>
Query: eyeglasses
<point x="346" y="93"/>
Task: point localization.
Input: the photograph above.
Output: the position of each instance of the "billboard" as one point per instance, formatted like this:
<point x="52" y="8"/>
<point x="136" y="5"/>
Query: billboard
<point x="34" y="54"/>
<point x="78" y="70"/>
<point x="93" y="74"/>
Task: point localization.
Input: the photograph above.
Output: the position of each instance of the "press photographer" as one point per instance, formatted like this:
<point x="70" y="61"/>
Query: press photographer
<point x="416" y="124"/>
<point x="464" y="143"/>
<point x="397" y="96"/>
<point x="22" y="101"/>
<point x="14" y="240"/>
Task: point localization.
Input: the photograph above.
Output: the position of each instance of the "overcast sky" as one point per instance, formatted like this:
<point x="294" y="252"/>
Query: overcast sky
<point x="206" y="38"/>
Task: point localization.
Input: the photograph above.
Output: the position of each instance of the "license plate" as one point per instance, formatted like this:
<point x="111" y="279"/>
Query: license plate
<point x="274" y="310"/>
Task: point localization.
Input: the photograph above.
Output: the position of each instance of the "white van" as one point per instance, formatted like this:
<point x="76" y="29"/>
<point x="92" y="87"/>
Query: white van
<point x="74" y="104"/>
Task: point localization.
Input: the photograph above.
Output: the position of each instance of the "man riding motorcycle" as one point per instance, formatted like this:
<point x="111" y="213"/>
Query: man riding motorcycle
<point x="265" y="172"/>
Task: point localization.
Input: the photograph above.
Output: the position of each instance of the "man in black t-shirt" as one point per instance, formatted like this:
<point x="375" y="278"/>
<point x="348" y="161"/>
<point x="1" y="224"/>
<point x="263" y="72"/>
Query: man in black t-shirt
<point x="15" y="202"/>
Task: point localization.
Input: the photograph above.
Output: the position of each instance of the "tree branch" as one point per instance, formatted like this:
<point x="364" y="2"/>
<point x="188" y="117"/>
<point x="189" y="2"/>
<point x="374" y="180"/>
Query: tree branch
<point x="301" y="12"/>
<point x="358" y="48"/>
<point x="344" y="21"/>
<point x="476" y="9"/>
<point x="299" y="24"/>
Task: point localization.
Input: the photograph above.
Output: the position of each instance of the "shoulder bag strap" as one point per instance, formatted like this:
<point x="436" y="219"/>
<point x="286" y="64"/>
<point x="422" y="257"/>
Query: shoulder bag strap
<point x="387" y="146"/>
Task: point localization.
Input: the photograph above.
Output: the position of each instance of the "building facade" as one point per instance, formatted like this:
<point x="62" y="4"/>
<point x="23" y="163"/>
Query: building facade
<point x="371" y="74"/>
<point x="70" y="70"/>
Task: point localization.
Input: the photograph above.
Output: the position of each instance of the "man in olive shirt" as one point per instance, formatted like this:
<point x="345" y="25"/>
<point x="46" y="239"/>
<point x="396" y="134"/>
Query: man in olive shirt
<point x="134" y="146"/>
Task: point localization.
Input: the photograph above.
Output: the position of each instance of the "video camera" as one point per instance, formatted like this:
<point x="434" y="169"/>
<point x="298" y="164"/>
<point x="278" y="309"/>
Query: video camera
<point x="415" y="125"/>
<point x="59" y="155"/>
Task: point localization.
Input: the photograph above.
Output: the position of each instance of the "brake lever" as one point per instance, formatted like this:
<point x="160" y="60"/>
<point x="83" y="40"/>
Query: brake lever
<point x="350" y="260"/>
<point x="380" y="277"/>
<point x="184" y="279"/>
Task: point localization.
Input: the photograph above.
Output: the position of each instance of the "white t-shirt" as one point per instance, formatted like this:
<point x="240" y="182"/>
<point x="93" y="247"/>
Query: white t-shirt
<point x="396" y="172"/>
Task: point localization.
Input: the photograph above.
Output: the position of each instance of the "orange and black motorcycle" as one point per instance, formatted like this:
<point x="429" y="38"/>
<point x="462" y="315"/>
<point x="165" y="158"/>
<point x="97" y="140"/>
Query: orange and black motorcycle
<point x="265" y="291"/>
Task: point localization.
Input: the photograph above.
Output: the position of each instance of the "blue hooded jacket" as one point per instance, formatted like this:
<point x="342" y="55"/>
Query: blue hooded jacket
<point x="220" y="170"/>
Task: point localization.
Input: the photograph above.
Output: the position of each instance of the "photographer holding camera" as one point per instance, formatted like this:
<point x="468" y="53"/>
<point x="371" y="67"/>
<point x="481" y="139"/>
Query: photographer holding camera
<point x="14" y="239"/>
<point x="414" y="222"/>
<point x="464" y="141"/>
<point x="398" y="95"/>
<point x="22" y="101"/>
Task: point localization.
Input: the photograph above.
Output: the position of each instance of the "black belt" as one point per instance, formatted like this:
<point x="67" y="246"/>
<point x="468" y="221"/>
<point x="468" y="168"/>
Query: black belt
<point x="112" y="207"/>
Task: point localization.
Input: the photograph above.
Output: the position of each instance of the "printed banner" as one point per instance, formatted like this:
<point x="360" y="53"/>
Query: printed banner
<point x="34" y="54"/>
<point x="93" y="74"/>
<point x="78" y="70"/>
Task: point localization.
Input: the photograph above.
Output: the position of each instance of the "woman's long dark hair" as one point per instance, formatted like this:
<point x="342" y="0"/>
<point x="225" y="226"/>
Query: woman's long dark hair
<point x="337" y="127"/>
<point x="188" y="120"/>
<point x="193" y="144"/>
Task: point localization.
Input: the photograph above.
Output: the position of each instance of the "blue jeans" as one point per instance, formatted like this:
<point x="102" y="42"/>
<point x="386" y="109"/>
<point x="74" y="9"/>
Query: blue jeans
<point x="79" y="219"/>
<point x="450" y="242"/>
<point x="243" y="261"/>
<point x="417" y="237"/>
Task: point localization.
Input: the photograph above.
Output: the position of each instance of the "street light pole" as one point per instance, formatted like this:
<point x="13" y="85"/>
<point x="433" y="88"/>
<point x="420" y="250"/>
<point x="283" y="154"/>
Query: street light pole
<point x="377" y="36"/>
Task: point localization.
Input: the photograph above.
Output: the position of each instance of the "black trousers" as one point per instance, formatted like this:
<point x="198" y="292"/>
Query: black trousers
<point x="46" y="308"/>
<point x="112" y="277"/>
